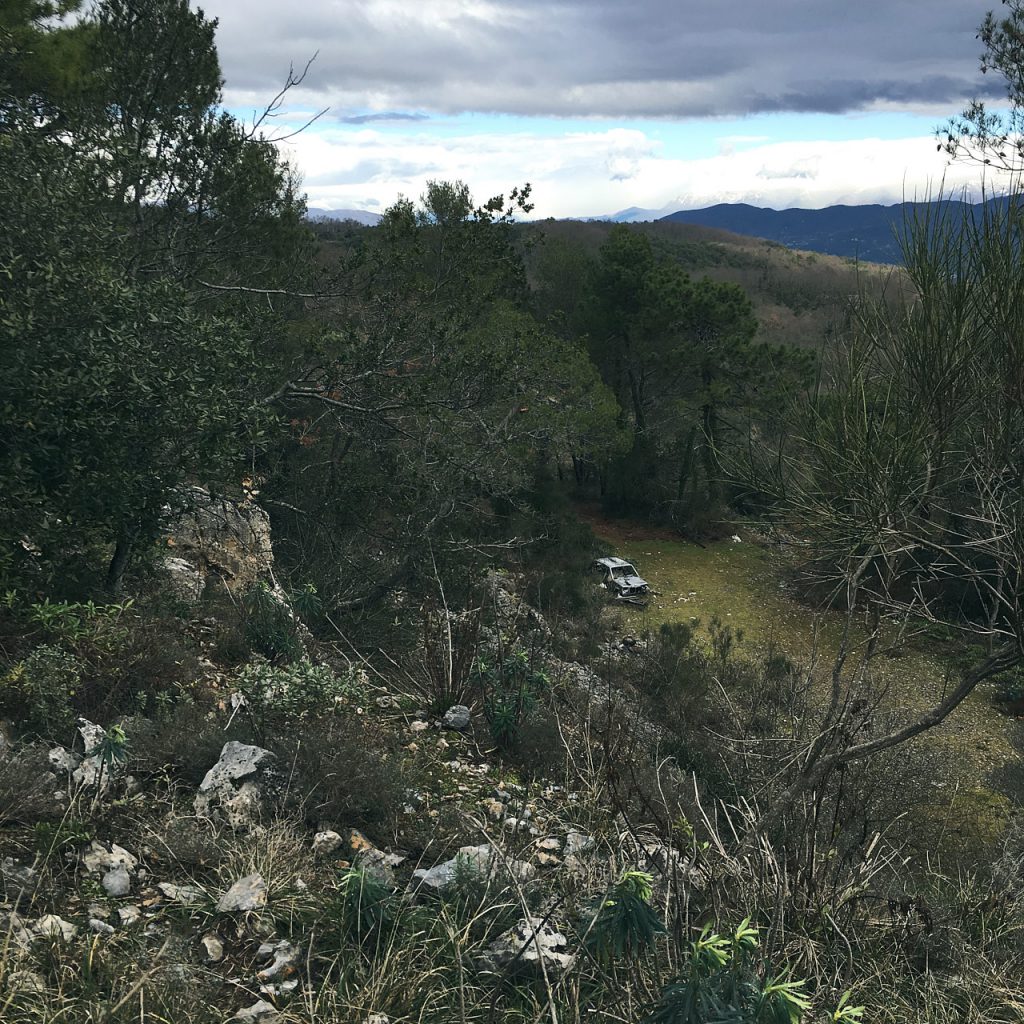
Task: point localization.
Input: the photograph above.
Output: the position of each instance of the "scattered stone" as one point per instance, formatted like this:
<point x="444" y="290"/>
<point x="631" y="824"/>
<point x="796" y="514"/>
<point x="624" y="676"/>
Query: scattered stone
<point x="27" y="982"/>
<point x="285" y="959"/>
<point x="12" y="925"/>
<point x="129" y="915"/>
<point x="483" y="860"/>
<point x="577" y="843"/>
<point x="261" y="1011"/>
<point x="50" y="926"/>
<point x="188" y="895"/>
<point x="237" y="787"/>
<point x="63" y="760"/>
<point x="212" y="949"/>
<point x="281" y="988"/>
<point x="326" y="843"/>
<point x="526" y="946"/>
<point x="418" y="726"/>
<point x="248" y="893"/>
<point x="99" y="858"/>
<point x="495" y="808"/>
<point x="92" y="772"/>
<point x="117" y="883"/>
<point x="19" y="879"/>
<point x="372" y="860"/>
<point x="457" y="718"/>
<point x="100" y="927"/>
<point x="518" y="825"/>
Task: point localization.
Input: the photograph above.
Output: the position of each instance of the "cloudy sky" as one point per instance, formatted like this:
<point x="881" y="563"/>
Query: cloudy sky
<point x="608" y="104"/>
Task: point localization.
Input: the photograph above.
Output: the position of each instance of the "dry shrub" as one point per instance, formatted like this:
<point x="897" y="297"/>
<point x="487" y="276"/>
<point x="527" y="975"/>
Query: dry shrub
<point x="345" y="772"/>
<point x="186" y="741"/>
<point x="27" y="785"/>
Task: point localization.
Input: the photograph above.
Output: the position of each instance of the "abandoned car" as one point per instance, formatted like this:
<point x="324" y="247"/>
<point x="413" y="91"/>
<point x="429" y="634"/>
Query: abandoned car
<point x="619" y="577"/>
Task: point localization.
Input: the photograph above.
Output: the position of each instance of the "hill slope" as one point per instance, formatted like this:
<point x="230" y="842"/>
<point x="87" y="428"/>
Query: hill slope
<point x="797" y="296"/>
<point x="868" y="233"/>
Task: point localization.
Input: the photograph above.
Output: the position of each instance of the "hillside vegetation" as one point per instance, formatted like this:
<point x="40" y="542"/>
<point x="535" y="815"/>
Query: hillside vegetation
<point x="311" y="707"/>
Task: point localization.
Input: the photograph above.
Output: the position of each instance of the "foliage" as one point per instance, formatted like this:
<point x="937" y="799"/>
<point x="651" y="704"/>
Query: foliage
<point x="38" y="692"/>
<point x="625" y="924"/>
<point x="510" y="687"/>
<point x="981" y="133"/>
<point x="272" y="625"/>
<point x="144" y="188"/>
<point x="276" y="696"/>
<point x="363" y="906"/>
<point x="97" y="627"/>
<point x="678" y="355"/>
<point x="901" y="470"/>
<point x="721" y="984"/>
<point x="434" y="396"/>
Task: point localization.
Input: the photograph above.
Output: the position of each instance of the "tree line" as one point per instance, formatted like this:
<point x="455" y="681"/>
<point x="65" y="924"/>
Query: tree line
<point x="402" y="398"/>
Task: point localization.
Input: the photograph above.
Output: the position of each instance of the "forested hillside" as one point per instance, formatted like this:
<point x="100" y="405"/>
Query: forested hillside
<point x="869" y="233"/>
<point x="312" y="705"/>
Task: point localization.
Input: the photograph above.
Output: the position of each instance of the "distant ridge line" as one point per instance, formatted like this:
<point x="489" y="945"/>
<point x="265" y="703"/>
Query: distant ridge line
<point x="868" y="232"/>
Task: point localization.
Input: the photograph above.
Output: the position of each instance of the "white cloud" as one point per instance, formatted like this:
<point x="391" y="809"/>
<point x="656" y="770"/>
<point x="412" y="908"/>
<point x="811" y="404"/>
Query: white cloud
<point x="600" y="172"/>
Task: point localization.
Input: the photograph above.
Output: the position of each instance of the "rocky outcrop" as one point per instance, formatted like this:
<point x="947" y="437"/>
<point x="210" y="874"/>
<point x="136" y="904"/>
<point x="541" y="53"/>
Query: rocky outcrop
<point x="217" y="538"/>
<point x="239" y="789"/>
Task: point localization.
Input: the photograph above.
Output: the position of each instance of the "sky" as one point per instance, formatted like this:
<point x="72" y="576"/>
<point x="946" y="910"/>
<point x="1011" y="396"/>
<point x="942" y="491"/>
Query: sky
<point x="604" y="105"/>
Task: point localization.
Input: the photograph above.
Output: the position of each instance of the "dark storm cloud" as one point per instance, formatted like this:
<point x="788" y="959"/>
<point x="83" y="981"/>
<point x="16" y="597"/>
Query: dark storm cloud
<point x="671" y="58"/>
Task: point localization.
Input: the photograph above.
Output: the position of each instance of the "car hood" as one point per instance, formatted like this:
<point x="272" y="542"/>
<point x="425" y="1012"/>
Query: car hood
<point x="631" y="581"/>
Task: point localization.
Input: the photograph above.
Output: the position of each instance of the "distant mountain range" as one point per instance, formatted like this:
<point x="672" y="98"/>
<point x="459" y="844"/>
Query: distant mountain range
<point x="868" y="233"/>
<point x="359" y="216"/>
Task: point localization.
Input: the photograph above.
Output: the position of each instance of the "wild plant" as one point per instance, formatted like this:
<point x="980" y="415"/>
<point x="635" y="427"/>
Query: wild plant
<point x="722" y="982"/>
<point x="625" y="924"/>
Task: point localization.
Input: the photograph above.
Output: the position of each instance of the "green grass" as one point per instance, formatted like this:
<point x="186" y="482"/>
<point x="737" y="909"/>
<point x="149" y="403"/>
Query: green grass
<point x="743" y="584"/>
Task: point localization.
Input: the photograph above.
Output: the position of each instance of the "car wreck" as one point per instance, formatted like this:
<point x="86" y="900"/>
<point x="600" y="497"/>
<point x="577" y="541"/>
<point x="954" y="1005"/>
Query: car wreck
<point x="621" y="579"/>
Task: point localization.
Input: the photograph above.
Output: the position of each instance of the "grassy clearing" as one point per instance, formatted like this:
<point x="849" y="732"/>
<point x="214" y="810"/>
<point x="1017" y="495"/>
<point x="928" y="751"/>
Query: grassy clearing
<point x="743" y="585"/>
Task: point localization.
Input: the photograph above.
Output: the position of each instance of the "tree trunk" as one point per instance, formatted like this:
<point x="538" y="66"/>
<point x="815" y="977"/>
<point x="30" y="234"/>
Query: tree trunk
<point x="709" y="421"/>
<point x="686" y="465"/>
<point x="120" y="561"/>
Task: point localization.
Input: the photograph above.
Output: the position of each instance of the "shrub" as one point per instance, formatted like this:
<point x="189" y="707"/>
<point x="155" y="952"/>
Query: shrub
<point x="449" y="647"/>
<point x="510" y="688"/>
<point x="342" y="772"/>
<point x="625" y="925"/>
<point x="38" y="692"/>
<point x="185" y="740"/>
<point x="272" y="626"/>
<point x="721" y="982"/>
<point x="362" y="906"/>
<point x="282" y="695"/>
